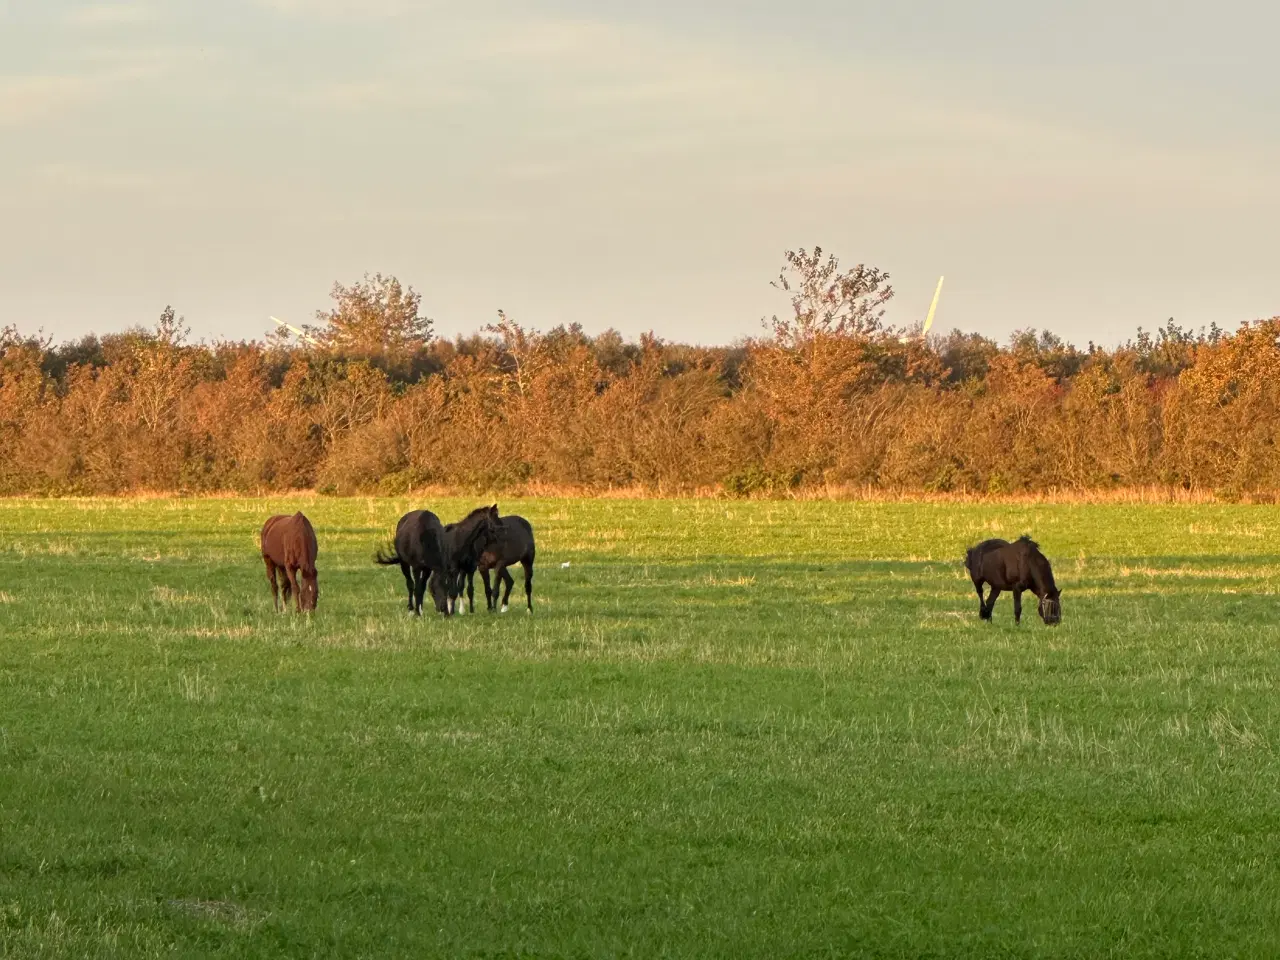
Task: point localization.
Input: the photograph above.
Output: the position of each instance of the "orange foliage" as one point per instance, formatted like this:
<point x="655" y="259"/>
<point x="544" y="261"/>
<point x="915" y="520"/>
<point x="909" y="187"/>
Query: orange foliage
<point x="829" y="402"/>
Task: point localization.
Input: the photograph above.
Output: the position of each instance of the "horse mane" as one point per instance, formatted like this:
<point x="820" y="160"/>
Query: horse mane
<point x="1041" y="571"/>
<point x="466" y="531"/>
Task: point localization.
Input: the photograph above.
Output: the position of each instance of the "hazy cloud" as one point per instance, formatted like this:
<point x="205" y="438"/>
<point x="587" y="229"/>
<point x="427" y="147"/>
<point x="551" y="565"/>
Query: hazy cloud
<point x="342" y="9"/>
<point x="111" y="14"/>
<point x="35" y="97"/>
<point x="642" y="165"/>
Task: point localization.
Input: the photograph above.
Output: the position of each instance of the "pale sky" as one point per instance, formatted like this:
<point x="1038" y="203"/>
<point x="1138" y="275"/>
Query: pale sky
<point x="1088" y="167"/>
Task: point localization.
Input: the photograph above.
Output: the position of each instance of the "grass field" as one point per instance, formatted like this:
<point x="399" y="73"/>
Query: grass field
<point x="731" y="730"/>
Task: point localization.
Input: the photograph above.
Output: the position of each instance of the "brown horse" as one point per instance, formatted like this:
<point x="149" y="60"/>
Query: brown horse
<point x="289" y="548"/>
<point x="1017" y="566"/>
<point x="514" y="544"/>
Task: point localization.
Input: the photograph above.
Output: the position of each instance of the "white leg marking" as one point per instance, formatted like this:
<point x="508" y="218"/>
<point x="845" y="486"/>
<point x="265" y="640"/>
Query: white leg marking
<point x="504" y="608"/>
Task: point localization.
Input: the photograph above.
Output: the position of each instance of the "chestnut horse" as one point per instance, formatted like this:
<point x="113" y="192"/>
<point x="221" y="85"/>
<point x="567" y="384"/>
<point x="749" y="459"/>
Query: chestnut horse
<point x="289" y="549"/>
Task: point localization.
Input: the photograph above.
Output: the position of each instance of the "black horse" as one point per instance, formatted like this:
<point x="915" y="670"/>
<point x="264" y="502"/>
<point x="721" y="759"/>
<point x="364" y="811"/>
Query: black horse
<point x="1017" y="566"/>
<point x="466" y="541"/>
<point x="514" y="544"/>
<point x="421" y="549"/>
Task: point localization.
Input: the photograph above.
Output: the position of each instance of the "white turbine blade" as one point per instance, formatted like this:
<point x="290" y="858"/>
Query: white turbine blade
<point x="289" y="326"/>
<point x="928" y="322"/>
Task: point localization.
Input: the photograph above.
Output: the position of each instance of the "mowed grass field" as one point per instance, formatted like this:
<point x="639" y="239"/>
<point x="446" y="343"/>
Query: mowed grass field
<point x="727" y="730"/>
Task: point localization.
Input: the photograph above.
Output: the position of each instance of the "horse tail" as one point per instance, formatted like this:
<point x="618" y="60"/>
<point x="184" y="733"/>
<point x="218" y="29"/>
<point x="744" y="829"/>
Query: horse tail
<point x="1026" y="541"/>
<point x="387" y="560"/>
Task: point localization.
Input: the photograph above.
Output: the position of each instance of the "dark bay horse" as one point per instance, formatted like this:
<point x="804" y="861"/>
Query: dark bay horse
<point x="421" y="550"/>
<point x="466" y="541"/>
<point x="1017" y="566"/>
<point x="289" y="549"/>
<point x="514" y="544"/>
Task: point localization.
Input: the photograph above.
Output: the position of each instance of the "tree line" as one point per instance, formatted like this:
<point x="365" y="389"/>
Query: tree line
<point x="827" y="397"/>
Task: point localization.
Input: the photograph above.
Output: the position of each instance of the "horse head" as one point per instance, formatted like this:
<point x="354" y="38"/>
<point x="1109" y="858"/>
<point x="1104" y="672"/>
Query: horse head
<point x="1050" y="608"/>
<point x="308" y="589"/>
<point x="438" y="587"/>
<point x="492" y="523"/>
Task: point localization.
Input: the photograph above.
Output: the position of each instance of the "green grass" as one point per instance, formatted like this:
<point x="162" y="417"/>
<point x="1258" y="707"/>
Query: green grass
<point x="731" y="730"/>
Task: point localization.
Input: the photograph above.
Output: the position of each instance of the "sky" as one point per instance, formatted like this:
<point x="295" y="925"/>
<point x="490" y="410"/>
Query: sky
<point x="1087" y="168"/>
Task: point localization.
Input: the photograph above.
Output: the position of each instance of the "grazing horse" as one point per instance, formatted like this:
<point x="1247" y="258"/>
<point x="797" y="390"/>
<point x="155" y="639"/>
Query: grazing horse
<point x="466" y="542"/>
<point x="289" y="548"/>
<point x="1016" y="566"/>
<point x="420" y="549"/>
<point x="513" y="545"/>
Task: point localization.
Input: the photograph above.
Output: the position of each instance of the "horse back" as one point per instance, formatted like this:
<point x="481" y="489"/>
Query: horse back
<point x="515" y="543"/>
<point x="290" y="541"/>
<point x="304" y="542"/>
<point x="977" y="558"/>
<point x="420" y="539"/>
<point x="272" y="538"/>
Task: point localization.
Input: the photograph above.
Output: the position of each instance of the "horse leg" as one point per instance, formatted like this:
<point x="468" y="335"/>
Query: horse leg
<point x="991" y="602"/>
<point x="408" y="582"/>
<point x="445" y="585"/>
<point x="275" y="587"/>
<point x="420" y="575"/>
<point x="1017" y="606"/>
<point x="505" y="580"/>
<point x="449" y="586"/>
<point x="471" y="591"/>
<point x="292" y="574"/>
<point x="982" y="603"/>
<point x="489" y="596"/>
<point x="528" y="582"/>
<point x="458" y="581"/>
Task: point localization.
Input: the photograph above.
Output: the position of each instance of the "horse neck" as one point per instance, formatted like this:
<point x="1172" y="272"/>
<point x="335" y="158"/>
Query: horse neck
<point x="467" y="531"/>
<point x="1042" y="576"/>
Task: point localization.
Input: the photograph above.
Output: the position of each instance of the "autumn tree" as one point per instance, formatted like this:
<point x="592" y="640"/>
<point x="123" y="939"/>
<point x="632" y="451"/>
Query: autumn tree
<point x="818" y="360"/>
<point x="828" y="300"/>
<point x="966" y="356"/>
<point x="376" y="319"/>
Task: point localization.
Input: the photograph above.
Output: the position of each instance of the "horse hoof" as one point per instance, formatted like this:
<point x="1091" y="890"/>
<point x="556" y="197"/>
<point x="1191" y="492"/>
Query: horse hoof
<point x="504" y="609"/>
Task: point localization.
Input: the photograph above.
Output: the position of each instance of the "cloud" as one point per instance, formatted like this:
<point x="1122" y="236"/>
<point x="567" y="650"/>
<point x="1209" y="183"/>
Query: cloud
<point x="116" y="63"/>
<point x="820" y="126"/>
<point x="387" y="91"/>
<point x="79" y="177"/>
<point x="90" y="76"/>
<point x="111" y="14"/>
<point x="341" y="9"/>
<point x="587" y="58"/>
<point x="23" y="99"/>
